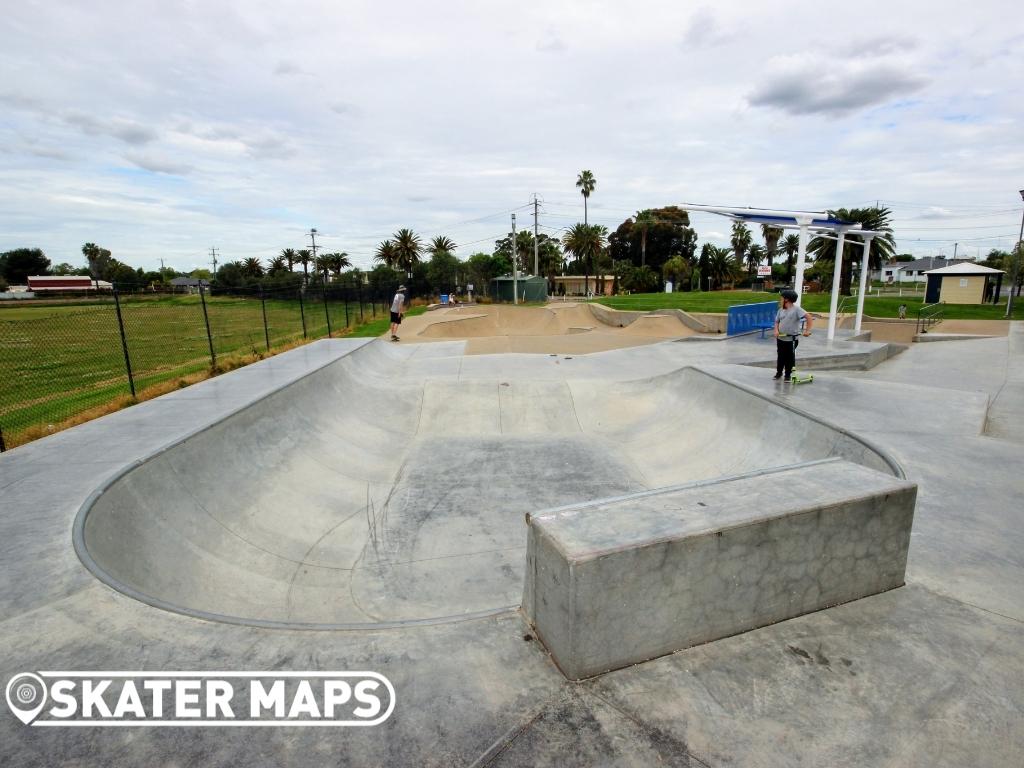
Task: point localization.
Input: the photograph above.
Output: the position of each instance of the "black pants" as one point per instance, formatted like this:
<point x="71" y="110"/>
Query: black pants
<point x="786" y="354"/>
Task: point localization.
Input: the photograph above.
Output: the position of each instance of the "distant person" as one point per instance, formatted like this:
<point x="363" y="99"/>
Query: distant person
<point x="397" y="310"/>
<point x="902" y="311"/>
<point x="787" y="333"/>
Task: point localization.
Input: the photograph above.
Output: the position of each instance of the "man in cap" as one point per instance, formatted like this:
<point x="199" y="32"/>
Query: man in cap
<point x="397" y="310"/>
<point x="787" y="333"/>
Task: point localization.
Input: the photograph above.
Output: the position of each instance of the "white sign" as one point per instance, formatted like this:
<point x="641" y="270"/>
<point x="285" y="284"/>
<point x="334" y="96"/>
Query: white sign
<point x="765" y="271"/>
<point x="469" y="287"/>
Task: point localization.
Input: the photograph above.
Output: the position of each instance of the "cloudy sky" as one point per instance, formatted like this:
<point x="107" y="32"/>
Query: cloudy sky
<point x="160" y="129"/>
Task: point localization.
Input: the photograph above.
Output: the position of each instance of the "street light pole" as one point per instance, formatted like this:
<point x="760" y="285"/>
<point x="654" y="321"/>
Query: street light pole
<point x="1015" y="263"/>
<point x="515" y="265"/>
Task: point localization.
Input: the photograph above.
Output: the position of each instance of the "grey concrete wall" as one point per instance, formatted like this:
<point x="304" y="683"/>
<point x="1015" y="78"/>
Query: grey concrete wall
<point x="616" y="583"/>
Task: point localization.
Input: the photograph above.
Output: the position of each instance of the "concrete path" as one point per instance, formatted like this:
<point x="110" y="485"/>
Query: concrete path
<point x="931" y="674"/>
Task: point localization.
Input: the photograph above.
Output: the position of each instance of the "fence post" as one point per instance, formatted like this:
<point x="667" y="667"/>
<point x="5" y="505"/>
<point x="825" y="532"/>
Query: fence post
<point x="302" y="310"/>
<point x="359" y="294"/>
<point x="344" y="296"/>
<point x="327" y="314"/>
<point x="206" y="320"/>
<point x="124" y="341"/>
<point x="266" y="331"/>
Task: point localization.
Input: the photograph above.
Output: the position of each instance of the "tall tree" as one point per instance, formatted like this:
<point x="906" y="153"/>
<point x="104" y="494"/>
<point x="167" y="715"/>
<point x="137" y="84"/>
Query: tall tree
<point x="586" y="183"/>
<point x="407" y="249"/>
<point x="442" y="271"/>
<point x="17" y="265"/>
<point x="740" y="241"/>
<point x="755" y="254"/>
<point x="669" y="235"/>
<point x="99" y="259"/>
<point x="882" y="247"/>
<point x="585" y="242"/>
<point x="290" y="257"/>
<point x="277" y="266"/>
<point x="252" y="267"/>
<point x="644" y="220"/>
<point x="338" y="261"/>
<point x="386" y="254"/>
<point x="722" y="266"/>
<point x="771" y="237"/>
<point x="441" y="244"/>
<point x="304" y="257"/>
<point x="790" y="247"/>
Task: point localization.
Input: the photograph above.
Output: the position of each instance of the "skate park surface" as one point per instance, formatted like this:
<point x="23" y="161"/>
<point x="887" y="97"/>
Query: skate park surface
<point x="377" y="491"/>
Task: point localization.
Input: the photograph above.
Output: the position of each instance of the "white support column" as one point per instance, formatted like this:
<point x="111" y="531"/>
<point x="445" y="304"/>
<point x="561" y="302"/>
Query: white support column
<point x="801" y="256"/>
<point x="836" y="274"/>
<point x="864" y="269"/>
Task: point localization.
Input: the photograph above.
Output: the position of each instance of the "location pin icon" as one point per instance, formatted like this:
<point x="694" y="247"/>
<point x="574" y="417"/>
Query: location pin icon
<point x="26" y="696"/>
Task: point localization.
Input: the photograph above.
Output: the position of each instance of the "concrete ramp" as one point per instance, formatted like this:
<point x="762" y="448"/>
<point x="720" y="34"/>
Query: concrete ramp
<point x="376" y="492"/>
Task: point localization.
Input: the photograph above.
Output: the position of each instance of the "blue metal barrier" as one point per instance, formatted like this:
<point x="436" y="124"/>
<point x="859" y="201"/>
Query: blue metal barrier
<point x="744" y="318"/>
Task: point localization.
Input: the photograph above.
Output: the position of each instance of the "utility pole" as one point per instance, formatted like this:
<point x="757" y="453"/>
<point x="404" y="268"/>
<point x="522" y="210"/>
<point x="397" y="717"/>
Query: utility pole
<point x="314" y="246"/>
<point x="536" y="243"/>
<point x="213" y="256"/>
<point x="1015" y="257"/>
<point x="515" y="264"/>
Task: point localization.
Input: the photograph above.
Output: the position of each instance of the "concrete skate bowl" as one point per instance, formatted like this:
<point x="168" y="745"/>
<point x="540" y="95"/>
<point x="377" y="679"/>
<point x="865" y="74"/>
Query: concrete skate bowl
<point x="403" y="500"/>
<point x="553" y="320"/>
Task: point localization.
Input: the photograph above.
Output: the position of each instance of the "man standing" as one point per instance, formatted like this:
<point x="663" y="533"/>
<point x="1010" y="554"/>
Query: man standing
<point x="787" y="333"/>
<point x="397" y="310"/>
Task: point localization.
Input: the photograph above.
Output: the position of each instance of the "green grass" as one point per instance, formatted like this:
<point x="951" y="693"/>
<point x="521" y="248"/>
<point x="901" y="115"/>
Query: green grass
<point x="60" y="359"/>
<point x="881" y="306"/>
<point x="377" y="327"/>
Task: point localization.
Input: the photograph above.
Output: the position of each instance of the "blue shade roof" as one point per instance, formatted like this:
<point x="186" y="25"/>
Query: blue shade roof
<point x="757" y="218"/>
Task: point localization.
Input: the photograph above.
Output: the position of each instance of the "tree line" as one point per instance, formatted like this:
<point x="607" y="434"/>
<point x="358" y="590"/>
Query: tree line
<point x="650" y="247"/>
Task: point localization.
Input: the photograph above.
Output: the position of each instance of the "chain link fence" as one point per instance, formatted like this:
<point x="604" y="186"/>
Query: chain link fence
<point x="68" y="358"/>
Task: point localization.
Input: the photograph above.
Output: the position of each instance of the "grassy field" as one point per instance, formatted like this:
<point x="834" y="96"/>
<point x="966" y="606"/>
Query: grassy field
<point x="881" y="306"/>
<point x="59" y="360"/>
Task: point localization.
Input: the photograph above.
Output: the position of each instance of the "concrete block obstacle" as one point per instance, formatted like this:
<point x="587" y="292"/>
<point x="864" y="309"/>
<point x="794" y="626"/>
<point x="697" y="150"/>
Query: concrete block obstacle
<point x="615" y="582"/>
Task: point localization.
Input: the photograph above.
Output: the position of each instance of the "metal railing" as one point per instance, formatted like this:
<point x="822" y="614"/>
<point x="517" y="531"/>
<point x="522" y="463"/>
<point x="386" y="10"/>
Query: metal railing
<point x="929" y="315"/>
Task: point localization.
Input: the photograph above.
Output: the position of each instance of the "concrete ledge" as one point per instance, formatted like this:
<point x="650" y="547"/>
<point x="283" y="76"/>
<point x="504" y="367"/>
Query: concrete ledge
<point x="613" y="583"/>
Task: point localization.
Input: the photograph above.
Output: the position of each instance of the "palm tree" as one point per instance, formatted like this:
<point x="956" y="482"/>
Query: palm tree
<point x="407" y="249"/>
<point x="882" y="247"/>
<point x="754" y="256"/>
<point x="252" y="267"/>
<point x="586" y="183"/>
<point x="771" y="237"/>
<point x="304" y="257"/>
<point x="722" y="266"/>
<point x="644" y="220"/>
<point x="290" y="256"/>
<point x="741" y="240"/>
<point x="337" y="262"/>
<point x="585" y="241"/>
<point x="441" y="244"/>
<point x="386" y="254"/>
<point x="790" y="247"/>
<point x="276" y="266"/>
